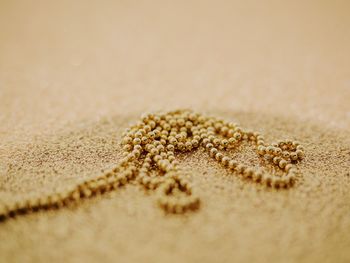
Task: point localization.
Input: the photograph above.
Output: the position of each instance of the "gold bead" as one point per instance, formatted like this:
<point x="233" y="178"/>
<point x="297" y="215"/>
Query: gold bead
<point x="138" y="135"/>
<point x="261" y="150"/>
<point x="219" y="156"/>
<point x="213" y="152"/>
<point x="237" y="136"/>
<point x="288" y="167"/>
<point x="240" y="168"/>
<point x="136" y="141"/>
<point x="282" y="164"/>
<point x="299" y="147"/>
<point x="266" y="179"/>
<point x="147" y="128"/>
<point x="270" y="149"/>
<point x="232" y="164"/>
<point x="300" y="154"/>
<point x="285" y="154"/>
<point x="294" y="156"/>
<point x="127" y="140"/>
<point x="188" y="146"/>
<point x="248" y="173"/>
<point x="225" y="160"/>
<point x="216" y="142"/>
<point x="276" y="160"/>
<point x="209" y="146"/>
<point x="257" y="176"/>
<point x="277" y="151"/>
<point x="127" y="147"/>
<point x="260" y="142"/>
<point x="232" y="141"/>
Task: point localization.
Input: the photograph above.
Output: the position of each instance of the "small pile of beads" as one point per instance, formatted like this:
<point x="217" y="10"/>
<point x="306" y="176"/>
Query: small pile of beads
<point x="149" y="150"/>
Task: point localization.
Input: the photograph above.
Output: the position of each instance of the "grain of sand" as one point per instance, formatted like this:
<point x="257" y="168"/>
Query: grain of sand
<point x="74" y="74"/>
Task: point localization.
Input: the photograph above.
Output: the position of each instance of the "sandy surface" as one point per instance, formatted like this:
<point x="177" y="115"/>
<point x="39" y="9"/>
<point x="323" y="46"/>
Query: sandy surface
<point x="73" y="75"/>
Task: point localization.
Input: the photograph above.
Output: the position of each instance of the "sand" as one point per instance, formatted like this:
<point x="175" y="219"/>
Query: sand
<point x="73" y="75"/>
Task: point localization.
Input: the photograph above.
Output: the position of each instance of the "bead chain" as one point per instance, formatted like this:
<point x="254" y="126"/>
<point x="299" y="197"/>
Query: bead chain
<point x="149" y="149"/>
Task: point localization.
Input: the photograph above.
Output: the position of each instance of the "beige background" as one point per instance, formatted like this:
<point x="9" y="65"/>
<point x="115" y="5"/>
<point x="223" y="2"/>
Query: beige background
<point x="73" y="74"/>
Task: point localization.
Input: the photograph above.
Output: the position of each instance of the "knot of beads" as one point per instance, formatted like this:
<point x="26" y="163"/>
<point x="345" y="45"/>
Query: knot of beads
<point x="153" y="142"/>
<point x="149" y="150"/>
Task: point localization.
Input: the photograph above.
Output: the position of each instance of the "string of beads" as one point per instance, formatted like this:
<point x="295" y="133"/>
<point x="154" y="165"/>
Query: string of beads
<point x="149" y="157"/>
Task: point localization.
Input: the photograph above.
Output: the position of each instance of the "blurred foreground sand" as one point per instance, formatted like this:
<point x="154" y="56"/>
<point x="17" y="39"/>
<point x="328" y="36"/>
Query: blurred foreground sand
<point x="73" y="75"/>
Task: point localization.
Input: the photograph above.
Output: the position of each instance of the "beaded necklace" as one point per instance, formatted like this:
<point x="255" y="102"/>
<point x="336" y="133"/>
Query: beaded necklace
<point x="149" y="150"/>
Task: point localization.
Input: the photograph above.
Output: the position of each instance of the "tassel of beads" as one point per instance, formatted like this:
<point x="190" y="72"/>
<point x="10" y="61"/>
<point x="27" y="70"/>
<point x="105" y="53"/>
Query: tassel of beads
<point x="149" y="149"/>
